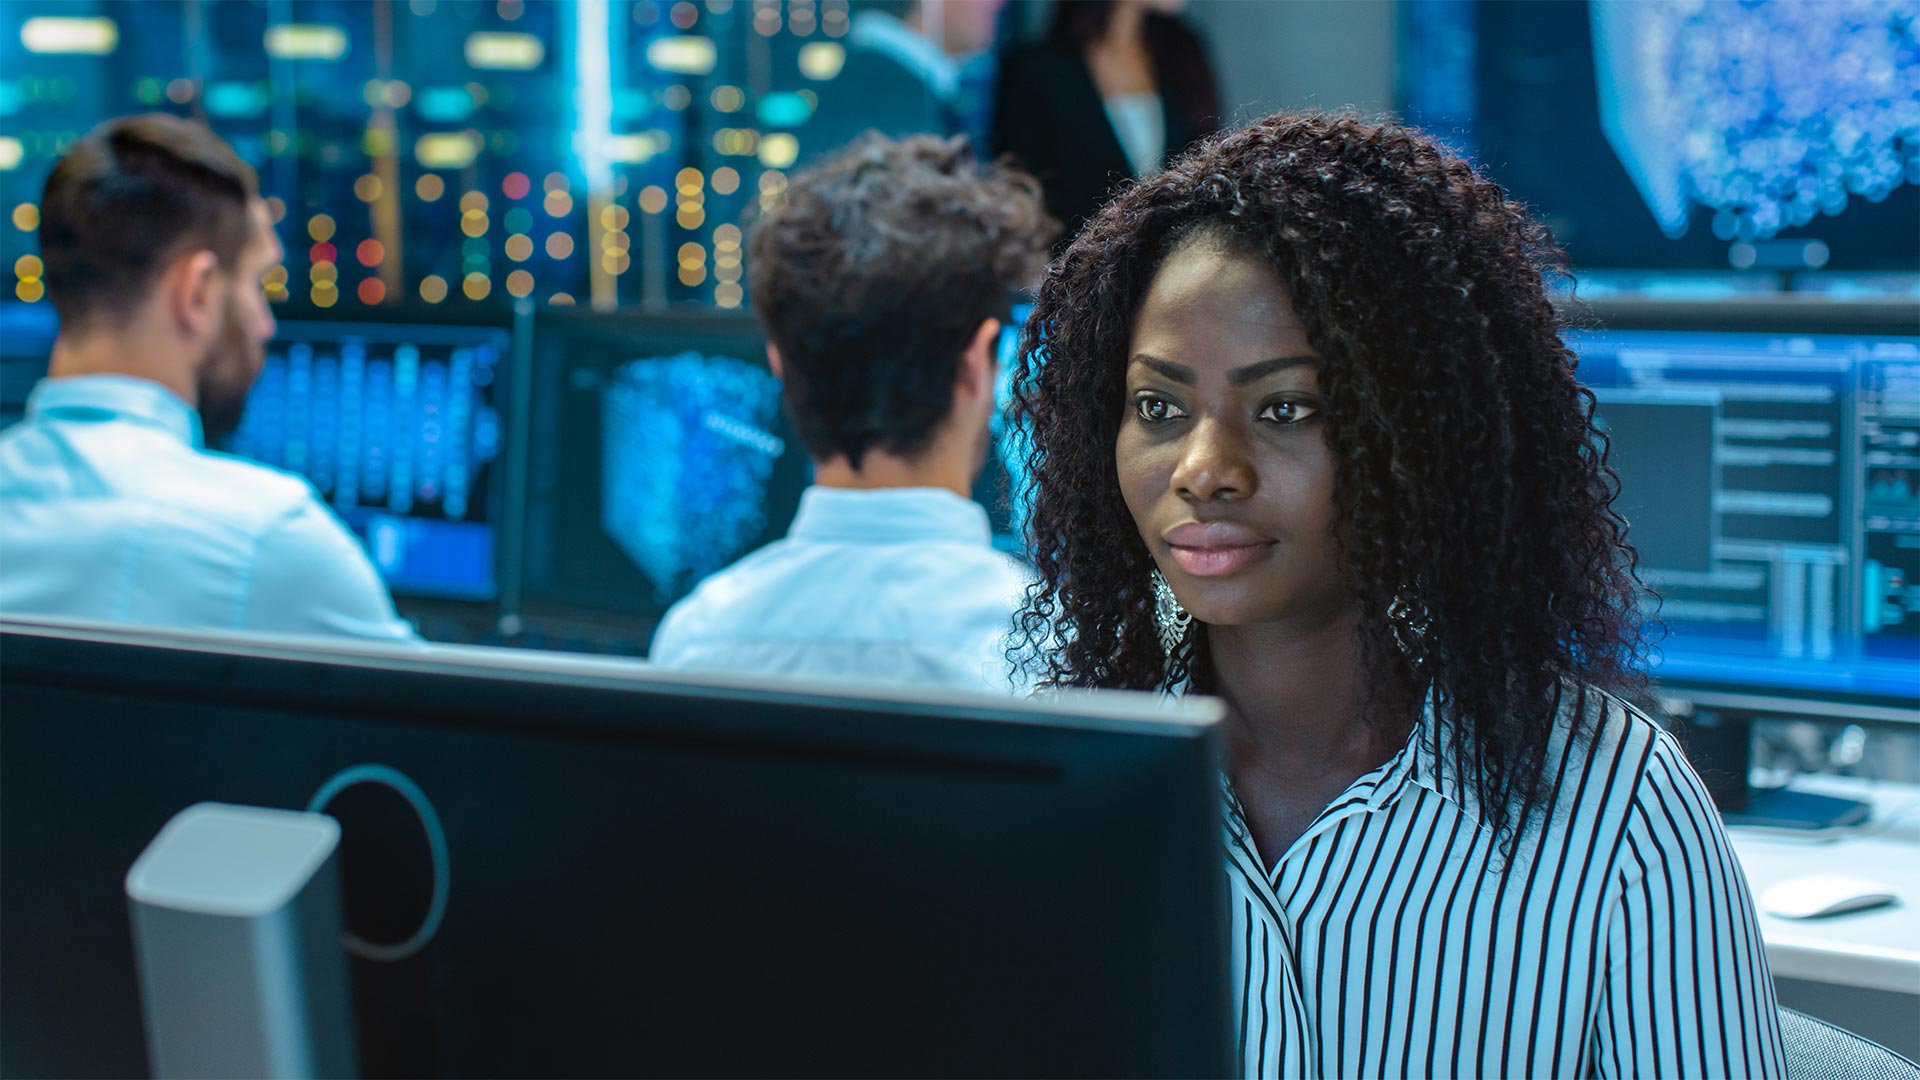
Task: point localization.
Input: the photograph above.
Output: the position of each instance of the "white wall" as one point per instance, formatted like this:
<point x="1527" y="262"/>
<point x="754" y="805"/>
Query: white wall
<point x="1281" y="54"/>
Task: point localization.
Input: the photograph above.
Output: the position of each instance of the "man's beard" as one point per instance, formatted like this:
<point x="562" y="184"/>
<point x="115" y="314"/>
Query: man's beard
<point x="227" y="373"/>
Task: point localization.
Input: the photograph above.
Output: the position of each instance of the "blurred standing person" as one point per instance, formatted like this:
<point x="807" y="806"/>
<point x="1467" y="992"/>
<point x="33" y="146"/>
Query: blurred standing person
<point x="903" y="72"/>
<point x="1117" y="89"/>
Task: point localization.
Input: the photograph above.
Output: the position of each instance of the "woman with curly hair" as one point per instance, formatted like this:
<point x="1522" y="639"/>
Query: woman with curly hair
<point x="1306" y="438"/>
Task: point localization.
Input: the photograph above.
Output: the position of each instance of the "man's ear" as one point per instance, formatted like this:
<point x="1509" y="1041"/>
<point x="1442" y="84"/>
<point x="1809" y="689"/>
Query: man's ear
<point x="190" y="289"/>
<point x="980" y="364"/>
<point x="773" y="361"/>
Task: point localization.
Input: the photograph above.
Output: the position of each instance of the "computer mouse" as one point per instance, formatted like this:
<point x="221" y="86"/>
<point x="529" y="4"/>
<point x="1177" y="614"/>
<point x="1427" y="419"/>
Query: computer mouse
<point x="1816" y="895"/>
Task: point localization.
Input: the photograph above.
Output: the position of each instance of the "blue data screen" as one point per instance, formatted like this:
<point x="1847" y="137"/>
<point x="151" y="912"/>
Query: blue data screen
<point x="1002" y="487"/>
<point x="399" y="428"/>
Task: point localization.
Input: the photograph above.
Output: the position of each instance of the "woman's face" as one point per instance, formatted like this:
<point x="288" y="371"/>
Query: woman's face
<point x="1221" y="454"/>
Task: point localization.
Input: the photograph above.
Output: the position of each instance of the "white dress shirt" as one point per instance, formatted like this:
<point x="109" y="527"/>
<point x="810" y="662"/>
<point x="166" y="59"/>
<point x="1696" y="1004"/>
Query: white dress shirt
<point x="1395" y="939"/>
<point x="111" y="509"/>
<point x="897" y="585"/>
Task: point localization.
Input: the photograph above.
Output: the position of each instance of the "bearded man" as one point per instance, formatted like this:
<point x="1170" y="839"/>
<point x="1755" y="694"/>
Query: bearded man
<point x="155" y="241"/>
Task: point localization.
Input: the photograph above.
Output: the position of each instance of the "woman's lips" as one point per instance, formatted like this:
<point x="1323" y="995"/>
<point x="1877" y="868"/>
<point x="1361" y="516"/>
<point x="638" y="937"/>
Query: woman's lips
<point x="1217" y="560"/>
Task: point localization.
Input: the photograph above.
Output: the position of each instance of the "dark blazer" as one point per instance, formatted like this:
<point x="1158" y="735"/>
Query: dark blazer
<point x="1049" y="116"/>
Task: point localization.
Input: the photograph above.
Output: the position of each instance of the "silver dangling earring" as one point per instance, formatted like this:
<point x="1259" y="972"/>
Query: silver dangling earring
<point x="1409" y="625"/>
<point x="1172" y="619"/>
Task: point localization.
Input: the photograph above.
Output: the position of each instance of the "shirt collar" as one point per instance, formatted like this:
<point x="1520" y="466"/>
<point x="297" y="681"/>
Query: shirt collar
<point x="98" y="398"/>
<point x="889" y="515"/>
<point x="1424" y="761"/>
<point x="1418" y="763"/>
<point x="884" y="34"/>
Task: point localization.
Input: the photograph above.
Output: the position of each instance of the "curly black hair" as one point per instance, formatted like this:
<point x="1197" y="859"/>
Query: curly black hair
<point x="1470" y="477"/>
<point x="871" y="274"/>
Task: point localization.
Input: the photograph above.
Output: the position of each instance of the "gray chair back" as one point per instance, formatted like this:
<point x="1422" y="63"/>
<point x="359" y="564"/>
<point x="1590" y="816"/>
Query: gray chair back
<point x="1816" y="1050"/>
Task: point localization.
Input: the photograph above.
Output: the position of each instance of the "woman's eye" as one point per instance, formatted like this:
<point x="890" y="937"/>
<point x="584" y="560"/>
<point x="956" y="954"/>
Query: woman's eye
<point x="1287" y="412"/>
<point x="1156" y="410"/>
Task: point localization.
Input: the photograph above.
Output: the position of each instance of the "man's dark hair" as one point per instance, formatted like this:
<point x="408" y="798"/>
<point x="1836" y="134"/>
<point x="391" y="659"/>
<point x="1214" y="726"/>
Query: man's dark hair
<point x="873" y="273"/>
<point x="132" y="195"/>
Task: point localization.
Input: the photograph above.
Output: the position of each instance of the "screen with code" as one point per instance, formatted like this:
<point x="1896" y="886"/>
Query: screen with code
<point x="1771" y="484"/>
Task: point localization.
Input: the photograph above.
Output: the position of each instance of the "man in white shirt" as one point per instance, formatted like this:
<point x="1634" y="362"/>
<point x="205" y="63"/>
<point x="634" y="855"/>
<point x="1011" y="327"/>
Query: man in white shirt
<point x="155" y="240"/>
<point x="879" y="278"/>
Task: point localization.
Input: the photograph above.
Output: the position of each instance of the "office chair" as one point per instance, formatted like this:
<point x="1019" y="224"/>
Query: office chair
<point x="1816" y="1050"/>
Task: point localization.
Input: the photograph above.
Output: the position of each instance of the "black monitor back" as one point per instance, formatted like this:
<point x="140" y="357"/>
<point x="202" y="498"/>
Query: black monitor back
<point x="643" y="874"/>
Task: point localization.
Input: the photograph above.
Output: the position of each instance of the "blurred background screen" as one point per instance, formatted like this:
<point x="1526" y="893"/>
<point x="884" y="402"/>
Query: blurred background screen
<point x="1674" y="136"/>
<point x="399" y="427"/>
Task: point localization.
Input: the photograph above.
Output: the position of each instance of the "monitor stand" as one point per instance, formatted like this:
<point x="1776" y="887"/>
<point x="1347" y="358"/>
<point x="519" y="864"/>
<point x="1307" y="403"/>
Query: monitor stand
<point x="1719" y="744"/>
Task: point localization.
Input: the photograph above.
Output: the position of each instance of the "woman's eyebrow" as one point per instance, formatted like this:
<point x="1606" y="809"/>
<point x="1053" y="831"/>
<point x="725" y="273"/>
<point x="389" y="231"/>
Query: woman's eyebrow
<point x="1239" y="376"/>
<point x="1179" y="373"/>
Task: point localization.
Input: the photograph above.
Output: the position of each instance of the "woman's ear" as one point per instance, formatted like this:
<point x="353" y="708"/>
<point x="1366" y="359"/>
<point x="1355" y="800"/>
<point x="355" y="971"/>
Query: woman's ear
<point x="773" y="362"/>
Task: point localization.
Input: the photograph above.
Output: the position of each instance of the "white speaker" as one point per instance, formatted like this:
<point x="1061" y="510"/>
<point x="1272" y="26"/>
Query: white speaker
<point x="237" y="938"/>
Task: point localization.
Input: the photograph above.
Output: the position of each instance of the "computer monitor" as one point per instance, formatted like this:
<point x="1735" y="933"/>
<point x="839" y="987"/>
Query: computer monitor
<point x="1769" y="465"/>
<point x="398" y="418"/>
<point x="1642" y="154"/>
<point x="1002" y="487"/>
<point x="26" y="342"/>
<point x="658" y="453"/>
<point x="640" y="873"/>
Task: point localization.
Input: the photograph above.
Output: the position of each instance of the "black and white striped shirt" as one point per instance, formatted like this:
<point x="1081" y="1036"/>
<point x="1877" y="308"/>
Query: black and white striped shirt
<point x="1392" y="939"/>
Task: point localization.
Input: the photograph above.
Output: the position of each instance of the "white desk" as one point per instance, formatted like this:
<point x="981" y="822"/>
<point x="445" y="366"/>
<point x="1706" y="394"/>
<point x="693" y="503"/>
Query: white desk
<point x="1870" y="959"/>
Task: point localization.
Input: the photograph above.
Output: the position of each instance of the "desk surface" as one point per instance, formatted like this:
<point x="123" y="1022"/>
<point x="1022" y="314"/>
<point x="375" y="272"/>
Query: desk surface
<point x="1878" y="949"/>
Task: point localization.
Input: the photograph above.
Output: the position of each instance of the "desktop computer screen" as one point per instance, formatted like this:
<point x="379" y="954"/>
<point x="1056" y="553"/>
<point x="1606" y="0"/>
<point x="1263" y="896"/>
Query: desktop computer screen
<point x="562" y="866"/>
<point x="1002" y="487"/>
<point x="657" y="454"/>
<point x="1706" y="136"/>
<point x="396" y="417"/>
<point x="399" y="424"/>
<point x="1771" y="483"/>
<point x="26" y="341"/>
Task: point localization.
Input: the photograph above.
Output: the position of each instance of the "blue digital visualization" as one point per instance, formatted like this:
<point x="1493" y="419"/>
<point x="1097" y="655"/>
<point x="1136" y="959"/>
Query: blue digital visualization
<point x="688" y="451"/>
<point x="1768" y="114"/>
<point x="1012" y="442"/>
<point x="397" y="435"/>
<point x="26" y="340"/>
<point x="1771" y="485"/>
